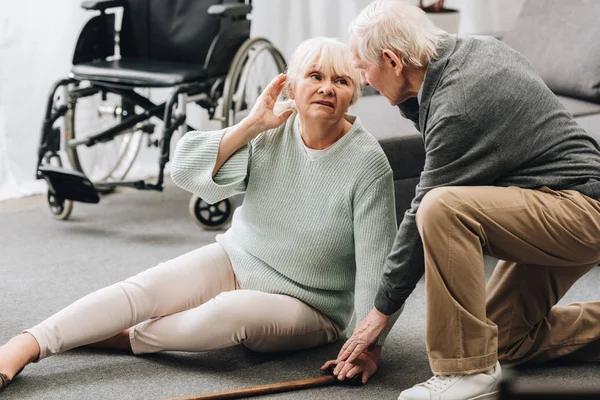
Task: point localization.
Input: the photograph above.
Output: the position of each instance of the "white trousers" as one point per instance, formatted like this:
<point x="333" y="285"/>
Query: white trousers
<point x="191" y="303"/>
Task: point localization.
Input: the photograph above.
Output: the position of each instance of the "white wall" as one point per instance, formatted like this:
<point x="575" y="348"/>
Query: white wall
<point x="486" y="16"/>
<point x="37" y="38"/>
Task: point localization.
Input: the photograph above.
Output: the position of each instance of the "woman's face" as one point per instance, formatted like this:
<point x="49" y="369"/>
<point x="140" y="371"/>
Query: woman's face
<point x="322" y="95"/>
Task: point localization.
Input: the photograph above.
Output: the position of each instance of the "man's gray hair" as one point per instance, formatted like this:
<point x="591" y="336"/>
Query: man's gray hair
<point x="400" y="27"/>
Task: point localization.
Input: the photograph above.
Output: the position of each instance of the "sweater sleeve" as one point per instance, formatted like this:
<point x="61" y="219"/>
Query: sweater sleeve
<point x="374" y="231"/>
<point x="455" y="155"/>
<point x="193" y="163"/>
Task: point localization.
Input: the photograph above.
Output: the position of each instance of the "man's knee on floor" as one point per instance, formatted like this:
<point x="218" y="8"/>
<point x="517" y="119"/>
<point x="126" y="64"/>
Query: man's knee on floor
<point x="436" y="205"/>
<point x="509" y="359"/>
<point x="516" y="351"/>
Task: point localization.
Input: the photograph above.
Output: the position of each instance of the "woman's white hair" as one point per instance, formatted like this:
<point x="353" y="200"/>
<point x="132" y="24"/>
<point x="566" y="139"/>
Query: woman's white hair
<point x="327" y="55"/>
<point x="400" y="27"/>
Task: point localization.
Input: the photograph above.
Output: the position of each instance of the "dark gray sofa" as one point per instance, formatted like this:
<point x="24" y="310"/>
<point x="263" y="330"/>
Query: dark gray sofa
<point x="560" y="39"/>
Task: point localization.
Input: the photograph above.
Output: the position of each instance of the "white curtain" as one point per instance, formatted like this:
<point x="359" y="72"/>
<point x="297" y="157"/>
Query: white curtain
<point x="37" y="38"/>
<point x="288" y="22"/>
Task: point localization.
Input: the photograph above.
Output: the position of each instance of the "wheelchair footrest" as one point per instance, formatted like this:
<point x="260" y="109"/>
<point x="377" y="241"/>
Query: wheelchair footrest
<point x="69" y="185"/>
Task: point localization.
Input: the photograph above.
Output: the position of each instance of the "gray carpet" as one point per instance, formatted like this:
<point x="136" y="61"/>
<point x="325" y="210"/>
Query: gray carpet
<point x="46" y="264"/>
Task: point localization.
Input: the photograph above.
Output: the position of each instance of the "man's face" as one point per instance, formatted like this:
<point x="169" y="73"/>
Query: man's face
<point x="386" y="79"/>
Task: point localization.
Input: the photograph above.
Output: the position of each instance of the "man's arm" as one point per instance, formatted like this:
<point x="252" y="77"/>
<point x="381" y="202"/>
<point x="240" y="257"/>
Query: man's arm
<point x="404" y="266"/>
<point x="373" y="238"/>
<point x="456" y="154"/>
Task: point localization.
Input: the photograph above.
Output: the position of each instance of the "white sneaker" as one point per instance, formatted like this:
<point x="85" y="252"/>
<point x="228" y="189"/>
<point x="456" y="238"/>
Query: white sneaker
<point x="456" y="387"/>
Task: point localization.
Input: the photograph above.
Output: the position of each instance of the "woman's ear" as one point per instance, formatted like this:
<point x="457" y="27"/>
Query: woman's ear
<point x="391" y="60"/>
<point x="290" y="91"/>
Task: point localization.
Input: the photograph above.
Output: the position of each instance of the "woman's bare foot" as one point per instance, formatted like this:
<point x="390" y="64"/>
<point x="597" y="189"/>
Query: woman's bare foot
<point x="118" y="342"/>
<point x="17" y="353"/>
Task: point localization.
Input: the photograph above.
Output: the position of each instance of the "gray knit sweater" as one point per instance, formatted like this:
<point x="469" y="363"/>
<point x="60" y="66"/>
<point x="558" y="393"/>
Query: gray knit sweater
<point x="487" y="119"/>
<point x="315" y="230"/>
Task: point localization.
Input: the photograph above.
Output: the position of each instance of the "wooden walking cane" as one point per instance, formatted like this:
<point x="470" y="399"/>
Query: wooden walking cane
<point x="275" y="387"/>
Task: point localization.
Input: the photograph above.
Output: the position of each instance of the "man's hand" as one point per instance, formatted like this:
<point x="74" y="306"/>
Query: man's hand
<point x="365" y="336"/>
<point x="364" y="365"/>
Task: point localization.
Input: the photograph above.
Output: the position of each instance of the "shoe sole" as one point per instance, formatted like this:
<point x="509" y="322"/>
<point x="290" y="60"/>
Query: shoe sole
<point x="4" y="379"/>
<point x="487" y="396"/>
<point x="492" y="395"/>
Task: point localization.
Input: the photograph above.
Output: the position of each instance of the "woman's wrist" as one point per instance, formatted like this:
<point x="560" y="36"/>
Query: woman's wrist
<point x="250" y="127"/>
<point x="376" y="352"/>
<point x="373" y="354"/>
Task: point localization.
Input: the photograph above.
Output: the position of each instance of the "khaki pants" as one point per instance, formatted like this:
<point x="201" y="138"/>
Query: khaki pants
<point x="547" y="240"/>
<point x="191" y="303"/>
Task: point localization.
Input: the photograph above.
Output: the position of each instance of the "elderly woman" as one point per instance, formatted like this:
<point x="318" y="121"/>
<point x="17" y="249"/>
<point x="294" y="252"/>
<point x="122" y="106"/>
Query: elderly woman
<point x="305" y="250"/>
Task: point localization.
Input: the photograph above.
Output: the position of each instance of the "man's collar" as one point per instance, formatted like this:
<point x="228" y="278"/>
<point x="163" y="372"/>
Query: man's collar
<point x="433" y="74"/>
<point x="420" y="93"/>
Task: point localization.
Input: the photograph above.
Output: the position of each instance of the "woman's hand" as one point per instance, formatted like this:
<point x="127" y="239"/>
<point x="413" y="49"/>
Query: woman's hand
<point x="262" y="117"/>
<point x="365" y="365"/>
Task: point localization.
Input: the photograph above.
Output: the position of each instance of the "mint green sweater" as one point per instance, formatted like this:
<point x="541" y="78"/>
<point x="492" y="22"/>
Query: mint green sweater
<point x="315" y="230"/>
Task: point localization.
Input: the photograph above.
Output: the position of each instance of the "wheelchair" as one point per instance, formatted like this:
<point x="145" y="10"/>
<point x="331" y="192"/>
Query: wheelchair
<point x="98" y="118"/>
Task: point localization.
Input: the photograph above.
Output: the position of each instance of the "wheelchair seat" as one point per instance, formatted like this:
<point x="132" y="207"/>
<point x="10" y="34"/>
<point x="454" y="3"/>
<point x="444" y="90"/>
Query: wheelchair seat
<point x="139" y="72"/>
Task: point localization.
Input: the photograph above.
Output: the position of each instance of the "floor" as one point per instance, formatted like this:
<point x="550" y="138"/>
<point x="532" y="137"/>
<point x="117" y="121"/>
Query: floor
<point x="24" y="203"/>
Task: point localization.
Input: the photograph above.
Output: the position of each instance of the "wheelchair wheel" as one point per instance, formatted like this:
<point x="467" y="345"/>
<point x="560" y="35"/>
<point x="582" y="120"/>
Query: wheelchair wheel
<point x="108" y="161"/>
<point x="255" y="64"/>
<point x="60" y="209"/>
<point x="210" y="216"/>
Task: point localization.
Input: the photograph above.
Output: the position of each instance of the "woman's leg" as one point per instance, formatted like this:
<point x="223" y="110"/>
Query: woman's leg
<point x="120" y="341"/>
<point x="179" y="284"/>
<point x="261" y="321"/>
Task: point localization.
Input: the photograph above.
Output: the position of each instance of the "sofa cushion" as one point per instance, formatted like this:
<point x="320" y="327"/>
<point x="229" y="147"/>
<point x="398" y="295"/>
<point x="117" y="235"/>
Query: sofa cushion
<point x="399" y="138"/>
<point x="560" y="39"/>
<point x="579" y="108"/>
<point x="382" y="119"/>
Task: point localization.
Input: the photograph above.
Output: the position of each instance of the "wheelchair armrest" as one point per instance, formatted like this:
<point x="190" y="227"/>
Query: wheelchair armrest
<point x="230" y="10"/>
<point x="101" y="5"/>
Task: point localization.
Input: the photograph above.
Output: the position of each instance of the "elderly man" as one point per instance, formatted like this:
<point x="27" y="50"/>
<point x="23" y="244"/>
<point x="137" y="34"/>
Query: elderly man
<point x="508" y="173"/>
